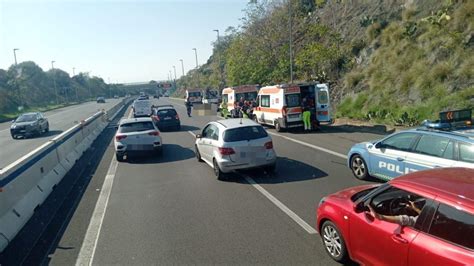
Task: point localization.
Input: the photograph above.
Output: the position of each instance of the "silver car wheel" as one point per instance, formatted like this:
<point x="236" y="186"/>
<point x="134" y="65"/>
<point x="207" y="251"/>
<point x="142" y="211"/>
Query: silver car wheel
<point x="358" y="167"/>
<point x="332" y="241"/>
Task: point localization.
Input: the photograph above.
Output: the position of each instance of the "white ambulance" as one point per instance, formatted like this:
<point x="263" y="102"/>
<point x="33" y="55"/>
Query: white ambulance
<point x="194" y="95"/>
<point x="281" y="105"/>
<point x="232" y="95"/>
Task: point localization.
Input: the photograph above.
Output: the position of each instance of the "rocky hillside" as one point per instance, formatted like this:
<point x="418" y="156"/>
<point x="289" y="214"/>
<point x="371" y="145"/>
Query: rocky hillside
<point x="396" y="62"/>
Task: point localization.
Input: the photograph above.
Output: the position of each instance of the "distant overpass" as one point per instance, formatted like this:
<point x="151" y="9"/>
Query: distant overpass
<point x="149" y="85"/>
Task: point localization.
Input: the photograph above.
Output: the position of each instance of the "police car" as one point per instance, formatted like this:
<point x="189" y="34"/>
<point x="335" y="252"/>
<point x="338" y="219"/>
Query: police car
<point x="448" y="142"/>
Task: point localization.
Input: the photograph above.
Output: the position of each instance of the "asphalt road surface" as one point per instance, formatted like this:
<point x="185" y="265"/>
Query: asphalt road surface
<point x="59" y="121"/>
<point x="172" y="210"/>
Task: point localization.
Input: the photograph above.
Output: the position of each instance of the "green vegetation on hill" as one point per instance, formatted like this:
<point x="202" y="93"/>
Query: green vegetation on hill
<point x="26" y="87"/>
<point x="395" y="62"/>
<point x="420" y="66"/>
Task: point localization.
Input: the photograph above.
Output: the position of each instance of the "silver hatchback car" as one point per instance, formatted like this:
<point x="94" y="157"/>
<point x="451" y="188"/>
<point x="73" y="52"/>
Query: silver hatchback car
<point x="235" y="144"/>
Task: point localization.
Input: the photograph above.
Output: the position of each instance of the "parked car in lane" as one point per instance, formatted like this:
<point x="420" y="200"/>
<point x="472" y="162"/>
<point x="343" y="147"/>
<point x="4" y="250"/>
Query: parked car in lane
<point x="29" y="124"/>
<point x="435" y="214"/>
<point x="235" y="144"/>
<point x="166" y="117"/>
<point x="437" y="144"/>
<point x="100" y="100"/>
<point x="137" y="135"/>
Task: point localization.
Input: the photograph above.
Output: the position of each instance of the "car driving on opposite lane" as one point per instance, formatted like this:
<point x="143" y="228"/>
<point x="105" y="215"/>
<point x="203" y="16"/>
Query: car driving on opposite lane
<point x="437" y="144"/>
<point x="422" y="218"/>
<point x="166" y="117"/>
<point x="137" y="135"/>
<point x="235" y="144"/>
<point x="29" y="124"/>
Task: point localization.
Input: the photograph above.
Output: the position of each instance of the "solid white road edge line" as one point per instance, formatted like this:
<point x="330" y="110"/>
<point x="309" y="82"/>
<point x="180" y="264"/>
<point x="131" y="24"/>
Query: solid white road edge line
<point x="86" y="254"/>
<point x="310" y="145"/>
<point x="278" y="203"/>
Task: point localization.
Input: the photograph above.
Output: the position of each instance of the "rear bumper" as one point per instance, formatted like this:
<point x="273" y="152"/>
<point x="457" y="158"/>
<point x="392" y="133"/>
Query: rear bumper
<point x="123" y="149"/>
<point x="227" y="165"/>
<point x="168" y="124"/>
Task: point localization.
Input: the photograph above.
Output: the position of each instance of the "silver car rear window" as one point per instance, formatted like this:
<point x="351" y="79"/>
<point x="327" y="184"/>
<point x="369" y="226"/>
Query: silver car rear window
<point x="135" y="127"/>
<point x="244" y="133"/>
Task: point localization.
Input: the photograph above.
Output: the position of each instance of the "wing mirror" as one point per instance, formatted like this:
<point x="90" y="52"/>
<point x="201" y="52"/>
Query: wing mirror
<point x="379" y="145"/>
<point x="198" y="136"/>
<point x="13" y="121"/>
<point x="359" y="207"/>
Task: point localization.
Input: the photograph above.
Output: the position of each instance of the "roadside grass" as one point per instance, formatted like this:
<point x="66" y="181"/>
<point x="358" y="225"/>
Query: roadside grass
<point x="419" y="68"/>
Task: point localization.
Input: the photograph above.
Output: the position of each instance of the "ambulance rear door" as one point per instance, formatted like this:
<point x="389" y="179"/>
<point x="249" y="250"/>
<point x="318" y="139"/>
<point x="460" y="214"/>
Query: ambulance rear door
<point x="323" y="105"/>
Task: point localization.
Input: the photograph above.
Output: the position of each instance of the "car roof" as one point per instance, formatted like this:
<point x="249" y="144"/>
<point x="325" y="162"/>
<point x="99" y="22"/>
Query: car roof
<point x="452" y="184"/>
<point x="236" y="122"/>
<point x="135" y="120"/>
<point x="30" y="113"/>
<point x="462" y="135"/>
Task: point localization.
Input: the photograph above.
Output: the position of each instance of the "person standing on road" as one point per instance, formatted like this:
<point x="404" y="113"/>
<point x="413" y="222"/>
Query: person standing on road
<point x="189" y="106"/>
<point x="306" y="116"/>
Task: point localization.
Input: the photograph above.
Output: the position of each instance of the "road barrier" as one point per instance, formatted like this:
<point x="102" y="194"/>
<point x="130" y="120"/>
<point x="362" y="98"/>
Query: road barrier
<point x="26" y="183"/>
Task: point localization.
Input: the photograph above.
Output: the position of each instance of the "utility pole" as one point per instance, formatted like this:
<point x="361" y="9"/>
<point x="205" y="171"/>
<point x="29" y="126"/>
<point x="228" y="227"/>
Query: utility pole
<point x="73" y="71"/>
<point x="291" y="40"/>
<point x="182" y="66"/>
<point x="54" y="82"/>
<point x="16" y="69"/>
<point x="174" y="67"/>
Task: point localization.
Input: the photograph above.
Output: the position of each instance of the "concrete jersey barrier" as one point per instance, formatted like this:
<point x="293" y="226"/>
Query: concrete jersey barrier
<point x="26" y="183"/>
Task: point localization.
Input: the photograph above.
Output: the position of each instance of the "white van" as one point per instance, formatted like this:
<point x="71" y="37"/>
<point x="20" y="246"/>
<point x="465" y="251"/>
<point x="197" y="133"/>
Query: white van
<point x="280" y="105"/>
<point x="141" y="108"/>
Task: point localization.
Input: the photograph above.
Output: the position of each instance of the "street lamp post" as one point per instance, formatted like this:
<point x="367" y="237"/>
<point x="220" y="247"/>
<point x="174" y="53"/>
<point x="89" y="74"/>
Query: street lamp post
<point x="182" y="65"/>
<point x="54" y="82"/>
<point x="14" y="54"/>
<point x="73" y="71"/>
<point x="219" y="61"/>
<point x="196" y="54"/>
<point x="197" y="65"/>
<point x="174" y="67"/>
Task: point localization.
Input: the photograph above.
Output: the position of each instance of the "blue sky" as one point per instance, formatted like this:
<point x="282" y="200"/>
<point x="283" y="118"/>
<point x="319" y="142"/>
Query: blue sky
<point x="126" y="41"/>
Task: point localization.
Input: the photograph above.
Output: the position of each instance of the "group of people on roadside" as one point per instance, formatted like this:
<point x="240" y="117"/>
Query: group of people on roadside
<point x="244" y="108"/>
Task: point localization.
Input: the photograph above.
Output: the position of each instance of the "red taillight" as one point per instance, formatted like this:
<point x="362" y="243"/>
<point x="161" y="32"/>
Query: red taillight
<point x="226" y="151"/>
<point x="177" y="117"/>
<point x="283" y="110"/>
<point x="157" y="118"/>
<point x="269" y="145"/>
<point x="154" y="133"/>
<point x="120" y="137"/>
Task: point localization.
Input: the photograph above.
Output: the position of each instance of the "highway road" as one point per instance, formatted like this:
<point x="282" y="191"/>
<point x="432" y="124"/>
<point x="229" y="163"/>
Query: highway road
<point x="172" y="209"/>
<point x="59" y="121"/>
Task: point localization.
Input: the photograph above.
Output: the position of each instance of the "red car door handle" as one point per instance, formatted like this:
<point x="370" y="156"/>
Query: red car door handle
<point x="399" y="239"/>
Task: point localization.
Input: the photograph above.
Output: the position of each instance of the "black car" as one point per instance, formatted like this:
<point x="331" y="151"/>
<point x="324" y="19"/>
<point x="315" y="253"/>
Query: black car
<point x="100" y="100"/>
<point x="166" y="117"/>
<point x="29" y="124"/>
